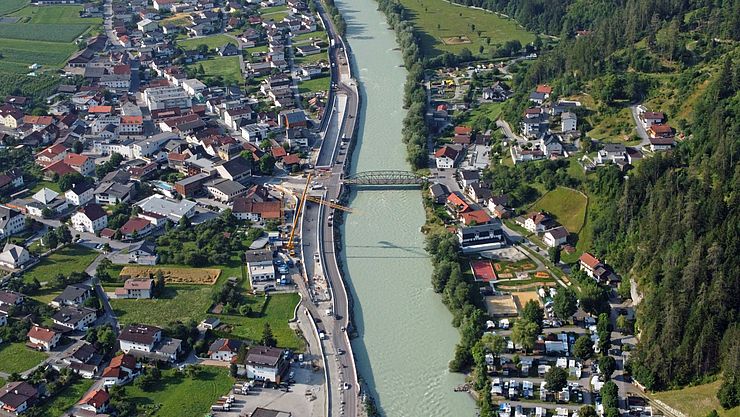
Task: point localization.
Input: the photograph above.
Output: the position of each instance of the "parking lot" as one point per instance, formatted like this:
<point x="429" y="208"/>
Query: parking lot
<point x="304" y="398"/>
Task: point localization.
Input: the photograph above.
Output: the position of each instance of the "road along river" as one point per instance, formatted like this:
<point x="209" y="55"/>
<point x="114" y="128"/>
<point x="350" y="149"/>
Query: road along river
<point x="406" y="337"/>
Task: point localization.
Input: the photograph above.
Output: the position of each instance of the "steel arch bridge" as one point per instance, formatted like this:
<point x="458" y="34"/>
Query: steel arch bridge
<point x="385" y="177"/>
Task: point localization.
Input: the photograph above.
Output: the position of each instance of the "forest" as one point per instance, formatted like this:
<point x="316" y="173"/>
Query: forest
<point x="673" y="225"/>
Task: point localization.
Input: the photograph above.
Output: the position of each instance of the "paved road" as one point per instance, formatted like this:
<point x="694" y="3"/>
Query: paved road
<point x="317" y="237"/>
<point x="645" y="139"/>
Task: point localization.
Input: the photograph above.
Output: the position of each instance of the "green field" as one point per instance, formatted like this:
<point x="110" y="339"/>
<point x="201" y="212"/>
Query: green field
<point x="213" y="42"/>
<point x="8" y="6"/>
<point x="65" y="399"/>
<point x="225" y="66"/>
<point x="64" y="261"/>
<point x="440" y="21"/>
<point x="696" y="401"/>
<point x="482" y="115"/>
<point x="315" y="85"/>
<point x="177" y="395"/>
<point x="278" y="310"/>
<point x="42" y="35"/>
<point x="566" y="205"/>
<point x="312" y="59"/>
<point x="179" y="302"/>
<point x="317" y="34"/>
<point x="16" y="357"/>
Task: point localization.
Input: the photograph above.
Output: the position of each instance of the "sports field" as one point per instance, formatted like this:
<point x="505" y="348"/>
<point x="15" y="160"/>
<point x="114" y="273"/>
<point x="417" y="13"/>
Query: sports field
<point x="483" y="270"/>
<point x="450" y="28"/>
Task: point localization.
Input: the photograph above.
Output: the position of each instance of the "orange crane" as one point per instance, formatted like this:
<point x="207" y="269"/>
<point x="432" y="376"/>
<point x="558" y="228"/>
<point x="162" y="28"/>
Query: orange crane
<point x="299" y="208"/>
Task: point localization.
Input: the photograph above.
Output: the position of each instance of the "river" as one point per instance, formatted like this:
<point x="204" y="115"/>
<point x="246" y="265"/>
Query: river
<point x="406" y="336"/>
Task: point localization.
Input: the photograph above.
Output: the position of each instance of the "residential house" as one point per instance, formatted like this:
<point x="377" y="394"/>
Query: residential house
<point x="80" y="194"/>
<point x="266" y="364"/>
<point x="192" y="185"/>
<point x="17" y="397"/>
<point x="568" y="122"/>
<point x="612" y="152"/>
<point x="52" y="154"/>
<point x="261" y="269"/>
<point x="468" y="177"/>
<point x="80" y="163"/>
<point x="475" y="217"/>
<point x="91" y="218"/>
<point x="73" y="295"/>
<point x="589" y="264"/>
<point x="456" y="204"/>
<point x="439" y="193"/>
<point x="224" y="350"/>
<point x="121" y="370"/>
<point x="225" y="190"/>
<point x="136" y="228"/>
<point x="538" y="222"/>
<point x="11" y="222"/>
<point x="136" y="288"/>
<point x="9" y="300"/>
<point x="43" y="339"/>
<point x="662" y="144"/>
<point x="237" y="169"/>
<point x="148" y="341"/>
<point x="108" y="192"/>
<point x="142" y="252"/>
<point x="95" y="401"/>
<point x="649" y="118"/>
<point x="14" y="256"/>
<point x="447" y="156"/>
<point x="71" y="318"/>
<point x="555" y="236"/>
<point x="229" y="49"/>
<point x="245" y="208"/>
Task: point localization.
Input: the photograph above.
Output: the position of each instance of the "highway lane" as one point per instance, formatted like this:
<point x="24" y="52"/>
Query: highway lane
<point x="318" y="238"/>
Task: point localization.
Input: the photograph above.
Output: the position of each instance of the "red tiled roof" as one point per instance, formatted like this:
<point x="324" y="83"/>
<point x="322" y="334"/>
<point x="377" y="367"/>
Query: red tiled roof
<point x="52" y="150"/>
<point x="74" y="159"/>
<point x="278" y="151"/>
<point x="291" y="159"/>
<point x="60" y="168"/>
<point x="478" y="216"/>
<point x="135" y="224"/>
<point x="38" y="120"/>
<point x="96" y="398"/>
<point x="132" y="120"/>
<point x="463" y="130"/>
<point x="446" y="151"/>
<point x="100" y="109"/>
<point x="589" y="260"/>
<point x="40" y="333"/>
<point x="544" y="88"/>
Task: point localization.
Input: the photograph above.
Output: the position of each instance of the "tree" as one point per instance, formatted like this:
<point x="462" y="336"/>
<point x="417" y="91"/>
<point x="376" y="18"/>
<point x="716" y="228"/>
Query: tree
<point x="495" y="343"/>
<point x="587" y="411"/>
<point x="77" y="147"/>
<point x="66" y="181"/>
<point x="556" y="378"/>
<point x="267" y="163"/>
<point x="625" y="289"/>
<point x="583" y="348"/>
<point x="51" y="240"/>
<point x="64" y="235"/>
<point x="564" y="304"/>
<point x="554" y="255"/>
<point x="729" y="394"/>
<point x="535" y="313"/>
<point x="607" y="366"/>
<point x="525" y="333"/>
<point x="267" y="338"/>
<point x="159" y="286"/>
<point x="622" y="322"/>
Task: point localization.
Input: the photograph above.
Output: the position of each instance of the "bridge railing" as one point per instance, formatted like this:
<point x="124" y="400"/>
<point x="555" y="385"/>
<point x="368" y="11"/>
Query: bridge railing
<point x="385" y="177"/>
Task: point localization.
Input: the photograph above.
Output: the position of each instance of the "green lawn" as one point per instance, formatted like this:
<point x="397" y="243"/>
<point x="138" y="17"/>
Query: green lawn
<point x="566" y="205"/>
<point x="54" y="15"/>
<point x="225" y="66"/>
<point x="70" y="259"/>
<point x="180" y="302"/>
<point x="317" y="34"/>
<point x="213" y="42"/>
<point x="277" y="311"/>
<point x="315" y="85"/>
<point x="440" y="20"/>
<point x="7" y="6"/>
<point x="696" y="401"/>
<point x="312" y="59"/>
<point x="46" y="184"/>
<point x="177" y="395"/>
<point x="16" y="357"/>
<point x="65" y="399"/>
<point x="483" y="114"/>
<point x="274" y="9"/>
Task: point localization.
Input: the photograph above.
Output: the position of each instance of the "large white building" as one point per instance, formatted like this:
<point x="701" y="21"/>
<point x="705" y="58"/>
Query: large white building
<point x="11" y="222"/>
<point x="172" y="209"/>
<point x="266" y="364"/>
<point x="158" y="98"/>
<point x="90" y="218"/>
<point x="261" y="269"/>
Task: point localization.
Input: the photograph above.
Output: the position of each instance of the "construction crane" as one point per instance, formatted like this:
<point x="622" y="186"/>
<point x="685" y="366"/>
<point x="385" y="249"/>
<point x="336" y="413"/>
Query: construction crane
<point x="299" y="208"/>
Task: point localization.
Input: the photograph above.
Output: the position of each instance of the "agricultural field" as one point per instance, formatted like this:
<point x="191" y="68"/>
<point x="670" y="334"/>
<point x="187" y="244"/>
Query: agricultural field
<point x="213" y="42"/>
<point x="175" y="275"/>
<point x="16" y="357"/>
<point x="178" y="395"/>
<point x="446" y="27"/>
<point x="179" y="302"/>
<point x="64" y="261"/>
<point x="277" y="309"/>
<point x="65" y="399"/>
<point x="696" y="401"/>
<point x="315" y="85"/>
<point x="40" y="35"/>
<point x="567" y="206"/>
<point x="9" y="6"/>
<point x="227" y="67"/>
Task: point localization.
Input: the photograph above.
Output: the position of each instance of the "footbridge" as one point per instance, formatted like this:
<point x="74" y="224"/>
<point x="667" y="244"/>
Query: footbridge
<point x="384" y="178"/>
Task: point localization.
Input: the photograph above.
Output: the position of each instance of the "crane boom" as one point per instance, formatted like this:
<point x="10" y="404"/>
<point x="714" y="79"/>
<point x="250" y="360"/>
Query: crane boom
<point x="290" y="245"/>
<point x="319" y="200"/>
